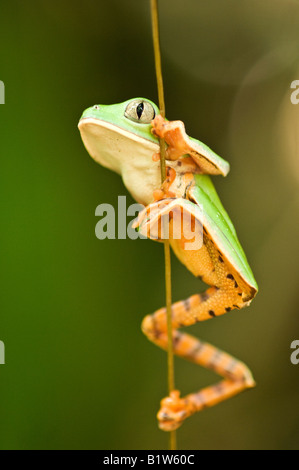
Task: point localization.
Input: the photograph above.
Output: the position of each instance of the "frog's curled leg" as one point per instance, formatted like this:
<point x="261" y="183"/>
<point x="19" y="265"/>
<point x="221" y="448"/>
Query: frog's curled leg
<point x="229" y="291"/>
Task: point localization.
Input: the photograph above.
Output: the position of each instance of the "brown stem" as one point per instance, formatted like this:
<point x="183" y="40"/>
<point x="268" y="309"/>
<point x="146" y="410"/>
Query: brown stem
<point x="156" y="41"/>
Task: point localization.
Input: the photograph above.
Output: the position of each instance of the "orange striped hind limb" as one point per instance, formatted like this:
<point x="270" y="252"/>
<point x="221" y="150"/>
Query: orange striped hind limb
<point x="228" y="291"/>
<point x="237" y="377"/>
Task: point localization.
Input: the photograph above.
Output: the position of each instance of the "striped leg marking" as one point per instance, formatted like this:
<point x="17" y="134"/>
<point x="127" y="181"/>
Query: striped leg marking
<point x="237" y="377"/>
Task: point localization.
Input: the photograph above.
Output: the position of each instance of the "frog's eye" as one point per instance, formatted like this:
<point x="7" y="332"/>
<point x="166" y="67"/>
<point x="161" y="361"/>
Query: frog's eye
<point x="96" y="106"/>
<point x="140" y="111"/>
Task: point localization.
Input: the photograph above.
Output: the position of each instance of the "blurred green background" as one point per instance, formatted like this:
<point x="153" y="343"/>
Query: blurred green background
<point x="79" y="374"/>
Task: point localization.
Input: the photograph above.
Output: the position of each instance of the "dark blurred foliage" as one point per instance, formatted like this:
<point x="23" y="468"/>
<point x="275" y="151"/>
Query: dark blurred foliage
<point x="79" y="373"/>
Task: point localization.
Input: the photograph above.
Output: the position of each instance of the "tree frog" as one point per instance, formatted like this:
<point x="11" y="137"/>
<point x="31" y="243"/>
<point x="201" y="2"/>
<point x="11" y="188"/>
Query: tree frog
<point x="125" y="138"/>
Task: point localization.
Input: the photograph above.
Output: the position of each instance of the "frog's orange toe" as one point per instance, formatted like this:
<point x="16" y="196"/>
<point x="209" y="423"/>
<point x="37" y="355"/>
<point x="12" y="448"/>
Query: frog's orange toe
<point x="158" y="195"/>
<point x="156" y="157"/>
<point x="158" y="126"/>
<point x="173" y="411"/>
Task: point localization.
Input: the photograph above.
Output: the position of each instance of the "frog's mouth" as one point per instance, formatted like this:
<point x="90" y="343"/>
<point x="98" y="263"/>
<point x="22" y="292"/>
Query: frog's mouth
<point x="113" y="146"/>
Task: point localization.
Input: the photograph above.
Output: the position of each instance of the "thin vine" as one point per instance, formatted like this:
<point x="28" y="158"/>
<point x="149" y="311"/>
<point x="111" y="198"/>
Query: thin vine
<point x="157" y="53"/>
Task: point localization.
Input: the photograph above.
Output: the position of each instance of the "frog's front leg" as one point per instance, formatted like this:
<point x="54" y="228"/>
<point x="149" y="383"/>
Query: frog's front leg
<point x="175" y="136"/>
<point x="224" y="295"/>
<point x="180" y="145"/>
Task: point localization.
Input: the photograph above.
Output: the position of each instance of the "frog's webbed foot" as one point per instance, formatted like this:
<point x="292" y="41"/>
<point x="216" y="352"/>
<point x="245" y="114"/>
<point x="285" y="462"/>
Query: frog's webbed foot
<point x="146" y="221"/>
<point x="173" y="219"/>
<point x="174" y="410"/>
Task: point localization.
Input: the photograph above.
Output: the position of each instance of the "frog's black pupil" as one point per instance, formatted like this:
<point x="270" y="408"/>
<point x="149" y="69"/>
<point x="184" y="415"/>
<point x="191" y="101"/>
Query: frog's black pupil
<point x="139" y="109"/>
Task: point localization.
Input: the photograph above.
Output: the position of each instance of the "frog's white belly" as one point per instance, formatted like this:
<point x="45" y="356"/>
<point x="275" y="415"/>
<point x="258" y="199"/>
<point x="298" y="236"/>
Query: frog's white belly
<point x="125" y="153"/>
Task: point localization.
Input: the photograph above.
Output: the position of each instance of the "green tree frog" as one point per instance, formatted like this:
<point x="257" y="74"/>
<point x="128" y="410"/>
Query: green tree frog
<point x="125" y="138"/>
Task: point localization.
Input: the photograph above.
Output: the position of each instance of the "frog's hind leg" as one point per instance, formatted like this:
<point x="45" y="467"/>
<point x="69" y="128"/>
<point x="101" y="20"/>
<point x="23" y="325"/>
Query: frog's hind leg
<point x="228" y="292"/>
<point x="237" y="377"/>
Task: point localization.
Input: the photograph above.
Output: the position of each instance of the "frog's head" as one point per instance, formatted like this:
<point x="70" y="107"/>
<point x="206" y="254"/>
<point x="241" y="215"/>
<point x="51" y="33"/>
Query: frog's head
<point x="119" y="137"/>
<point x="114" y="134"/>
